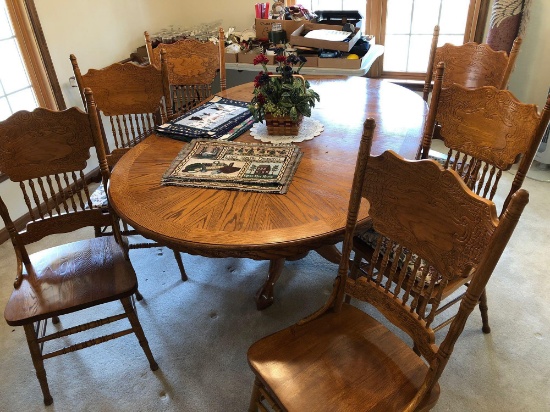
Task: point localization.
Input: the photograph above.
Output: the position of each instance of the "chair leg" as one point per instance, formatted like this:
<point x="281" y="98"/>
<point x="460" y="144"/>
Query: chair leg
<point x="136" y="327"/>
<point x="483" y="308"/>
<point x="139" y="296"/>
<point x="38" y="363"/>
<point x="353" y="271"/>
<point x="255" y="397"/>
<point x="177" y="255"/>
<point x="55" y="320"/>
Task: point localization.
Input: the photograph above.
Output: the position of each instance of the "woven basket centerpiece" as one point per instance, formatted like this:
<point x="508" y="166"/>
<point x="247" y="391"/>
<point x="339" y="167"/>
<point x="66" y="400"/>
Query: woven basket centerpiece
<point x="282" y="126"/>
<point x="284" y="98"/>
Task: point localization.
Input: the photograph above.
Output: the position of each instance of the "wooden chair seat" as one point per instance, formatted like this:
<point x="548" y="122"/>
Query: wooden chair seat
<point x="99" y="197"/>
<point x="344" y="361"/>
<point x="71" y="277"/>
<point x="45" y="153"/>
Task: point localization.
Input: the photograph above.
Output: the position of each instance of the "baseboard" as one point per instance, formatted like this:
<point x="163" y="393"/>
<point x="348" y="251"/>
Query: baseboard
<point x="20" y="223"/>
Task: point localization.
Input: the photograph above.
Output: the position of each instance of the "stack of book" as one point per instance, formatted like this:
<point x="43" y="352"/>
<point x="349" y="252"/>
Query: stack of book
<point x="216" y="164"/>
<point x="219" y="118"/>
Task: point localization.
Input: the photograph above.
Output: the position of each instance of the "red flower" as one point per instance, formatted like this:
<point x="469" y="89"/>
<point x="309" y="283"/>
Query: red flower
<point x="280" y="59"/>
<point x="260" y="59"/>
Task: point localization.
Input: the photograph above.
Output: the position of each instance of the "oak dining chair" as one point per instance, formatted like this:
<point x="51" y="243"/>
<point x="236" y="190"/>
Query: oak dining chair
<point x="45" y="153"/>
<point x="191" y="66"/>
<point x="341" y="358"/>
<point x="487" y="132"/>
<point x="471" y="64"/>
<point x="131" y="101"/>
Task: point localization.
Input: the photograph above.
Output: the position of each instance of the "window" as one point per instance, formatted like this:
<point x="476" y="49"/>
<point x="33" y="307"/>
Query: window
<point x="409" y="29"/>
<point x="16" y="91"/>
<point x="405" y="28"/>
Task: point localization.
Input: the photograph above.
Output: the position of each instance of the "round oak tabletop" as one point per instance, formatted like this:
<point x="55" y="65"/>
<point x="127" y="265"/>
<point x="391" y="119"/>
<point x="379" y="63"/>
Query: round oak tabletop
<point x="311" y="215"/>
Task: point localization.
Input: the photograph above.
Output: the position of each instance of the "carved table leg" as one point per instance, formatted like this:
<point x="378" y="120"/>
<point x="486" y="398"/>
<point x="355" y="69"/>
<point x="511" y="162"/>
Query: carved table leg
<point x="264" y="296"/>
<point x="330" y="253"/>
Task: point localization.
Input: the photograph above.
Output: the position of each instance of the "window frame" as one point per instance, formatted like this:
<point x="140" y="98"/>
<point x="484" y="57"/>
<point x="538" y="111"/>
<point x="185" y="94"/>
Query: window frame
<point x="35" y="54"/>
<point x="30" y="53"/>
<point x="375" y="24"/>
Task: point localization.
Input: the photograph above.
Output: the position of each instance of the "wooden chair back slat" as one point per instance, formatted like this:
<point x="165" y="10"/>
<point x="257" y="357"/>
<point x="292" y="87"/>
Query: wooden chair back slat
<point x="471" y="65"/>
<point x="487" y="131"/>
<point x="133" y="98"/>
<point x="433" y="230"/>
<point x="191" y="66"/>
<point x="46" y="152"/>
<point x="132" y="101"/>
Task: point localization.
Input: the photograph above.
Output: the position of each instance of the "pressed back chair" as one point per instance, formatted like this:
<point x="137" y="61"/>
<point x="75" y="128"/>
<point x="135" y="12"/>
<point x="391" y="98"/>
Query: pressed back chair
<point x="45" y="153"/>
<point x="133" y="101"/>
<point x="487" y="132"/>
<point x="191" y="67"/>
<point x="471" y="65"/>
<point x="342" y="359"/>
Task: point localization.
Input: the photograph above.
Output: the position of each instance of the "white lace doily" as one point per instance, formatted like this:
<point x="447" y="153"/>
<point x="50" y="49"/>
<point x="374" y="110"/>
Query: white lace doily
<point x="308" y="130"/>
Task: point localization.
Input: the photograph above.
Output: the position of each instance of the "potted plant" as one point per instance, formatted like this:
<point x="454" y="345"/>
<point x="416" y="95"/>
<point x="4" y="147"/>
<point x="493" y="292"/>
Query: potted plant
<point x="283" y="98"/>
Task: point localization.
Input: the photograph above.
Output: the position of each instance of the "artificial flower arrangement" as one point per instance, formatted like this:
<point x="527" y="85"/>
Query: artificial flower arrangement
<point x="282" y="99"/>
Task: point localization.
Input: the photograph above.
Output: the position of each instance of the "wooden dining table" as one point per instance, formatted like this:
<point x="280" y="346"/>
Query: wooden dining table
<point x="275" y="227"/>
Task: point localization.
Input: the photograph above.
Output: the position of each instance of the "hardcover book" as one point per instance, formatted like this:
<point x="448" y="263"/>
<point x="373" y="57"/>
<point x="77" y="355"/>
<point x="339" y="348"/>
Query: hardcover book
<point x="219" y="118"/>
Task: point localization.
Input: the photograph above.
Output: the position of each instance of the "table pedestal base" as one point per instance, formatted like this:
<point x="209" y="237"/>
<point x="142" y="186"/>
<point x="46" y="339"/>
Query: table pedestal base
<point x="264" y="296"/>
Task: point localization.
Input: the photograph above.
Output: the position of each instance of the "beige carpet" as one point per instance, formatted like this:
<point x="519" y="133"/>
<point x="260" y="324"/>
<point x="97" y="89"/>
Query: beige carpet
<point x="199" y="332"/>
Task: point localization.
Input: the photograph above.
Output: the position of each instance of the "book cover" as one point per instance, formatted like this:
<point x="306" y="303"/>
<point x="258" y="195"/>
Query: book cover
<point x="219" y="118"/>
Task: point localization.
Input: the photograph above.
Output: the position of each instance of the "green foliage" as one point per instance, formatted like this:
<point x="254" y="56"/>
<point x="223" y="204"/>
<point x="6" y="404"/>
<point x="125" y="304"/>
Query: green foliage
<point x="283" y="94"/>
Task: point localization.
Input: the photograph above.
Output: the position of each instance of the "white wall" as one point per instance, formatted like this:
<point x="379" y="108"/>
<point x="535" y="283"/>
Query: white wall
<point x="102" y="32"/>
<point x="531" y="78"/>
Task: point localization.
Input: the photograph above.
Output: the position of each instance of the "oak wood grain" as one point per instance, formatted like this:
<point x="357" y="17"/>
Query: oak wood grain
<point x="471" y="64"/>
<point x="191" y="66"/>
<point x="342" y="359"/>
<point x="46" y="152"/>
<point x="267" y="226"/>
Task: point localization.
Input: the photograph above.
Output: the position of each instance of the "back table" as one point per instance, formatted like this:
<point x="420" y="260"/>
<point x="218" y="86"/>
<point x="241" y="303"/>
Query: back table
<point x="275" y="227"/>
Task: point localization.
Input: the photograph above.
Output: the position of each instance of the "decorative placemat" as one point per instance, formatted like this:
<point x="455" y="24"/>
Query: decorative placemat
<point x="254" y="167"/>
<point x="308" y="130"/>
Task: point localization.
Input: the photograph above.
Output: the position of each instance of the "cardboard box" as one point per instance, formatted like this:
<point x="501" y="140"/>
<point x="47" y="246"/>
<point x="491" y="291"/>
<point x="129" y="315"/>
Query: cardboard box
<point x="263" y="26"/>
<point x="250" y="56"/>
<point x="231" y="57"/>
<point x="311" y="61"/>
<point x="340" y="63"/>
<point x="297" y="38"/>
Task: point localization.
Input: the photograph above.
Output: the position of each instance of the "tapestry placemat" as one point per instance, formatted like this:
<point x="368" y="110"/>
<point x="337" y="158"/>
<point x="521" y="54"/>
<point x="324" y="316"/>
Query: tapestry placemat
<point x="215" y="164"/>
<point x="219" y="118"/>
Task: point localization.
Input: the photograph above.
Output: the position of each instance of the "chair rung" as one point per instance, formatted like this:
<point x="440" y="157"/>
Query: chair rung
<point x="82" y="328"/>
<point x="87" y="343"/>
<point x="449" y="304"/>
<point x="443" y="324"/>
<point x="268" y="398"/>
<point x="261" y="407"/>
